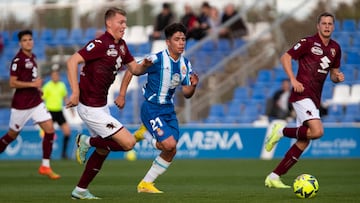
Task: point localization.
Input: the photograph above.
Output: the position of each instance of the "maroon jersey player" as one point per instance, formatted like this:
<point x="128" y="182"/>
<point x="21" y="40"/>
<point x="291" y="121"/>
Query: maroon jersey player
<point x="103" y="57"/>
<point x="317" y="55"/>
<point x="27" y="103"/>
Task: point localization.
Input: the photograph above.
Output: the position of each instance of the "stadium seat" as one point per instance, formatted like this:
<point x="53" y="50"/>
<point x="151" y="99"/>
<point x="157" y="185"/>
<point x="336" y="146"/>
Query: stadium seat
<point x="76" y="37"/>
<point x="352" y="57"/>
<point x="217" y="110"/>
<point x="349" y="25"/>
<point x="355" y="93"/>
<point x="234" y="108"/>
<point x="46" y="36"/>
<point x="158" y="45"/>
<point x="241" y="93"/>
<point x="90" y="34"/>
<point x="341" y="94"/>
<point x="336" y="110"/>
<point x="60" y="38"/>
<point x="352" y="109"/>
<point x="137" y="35"/>
<point x="264" y="76"/>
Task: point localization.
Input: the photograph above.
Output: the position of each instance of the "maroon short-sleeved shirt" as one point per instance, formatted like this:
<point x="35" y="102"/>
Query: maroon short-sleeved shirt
<point x="103" y="59"/>
<point x="26" y="70"/>
<point x="315" y="61"/>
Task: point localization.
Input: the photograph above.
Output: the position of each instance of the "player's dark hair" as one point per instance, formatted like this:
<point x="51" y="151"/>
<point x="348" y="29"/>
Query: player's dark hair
<point x="325" y="14"/>
<point x="173" y="28"/>
<point x="24" y="32"/>
<point x="111" y="12"/>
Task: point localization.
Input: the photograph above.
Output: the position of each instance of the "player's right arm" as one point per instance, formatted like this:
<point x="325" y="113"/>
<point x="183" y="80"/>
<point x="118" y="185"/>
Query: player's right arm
<point x="286" y="63"/>
<point x="72" y="74"/>
<point x="15" y="83"/>
<point x="139" y="68"/>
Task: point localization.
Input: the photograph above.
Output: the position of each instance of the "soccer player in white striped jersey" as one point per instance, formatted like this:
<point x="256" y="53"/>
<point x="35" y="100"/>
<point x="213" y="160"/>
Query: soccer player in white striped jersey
<point x="169" y="70"/>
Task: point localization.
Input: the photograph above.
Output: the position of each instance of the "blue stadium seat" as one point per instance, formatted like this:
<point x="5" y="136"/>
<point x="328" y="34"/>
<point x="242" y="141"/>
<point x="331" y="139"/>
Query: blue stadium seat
<point x="90" y="34"/>
<point x="46" y="36"/>
<point x="264" y="76"/>
<point x="217" y="110"/>
<point x="352" y="57"/>
<point x="352" y="109"/>
<point x="335" y="110"/>
<point x="349" y="25"/>
<point x="76" y="37"/>
<point x="4" y="116"/>
<point x="60" y="38"/>
<point x="241" y="93"/>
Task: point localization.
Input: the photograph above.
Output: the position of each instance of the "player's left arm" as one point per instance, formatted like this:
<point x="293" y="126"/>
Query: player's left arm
<point x="120" y="99"/>
<point x="189" y="90"/>
<point x="336" y="76"/>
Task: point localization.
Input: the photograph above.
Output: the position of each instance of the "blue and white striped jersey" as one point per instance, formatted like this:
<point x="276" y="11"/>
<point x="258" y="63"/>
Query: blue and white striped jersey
<point x="164" y="76"/>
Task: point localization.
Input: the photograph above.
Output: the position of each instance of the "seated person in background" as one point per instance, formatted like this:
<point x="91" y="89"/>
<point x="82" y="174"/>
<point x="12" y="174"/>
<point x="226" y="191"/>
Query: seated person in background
<point x="189" y="19"/>
<point x="237" y="29"/>
<point x="164" y="18"/>
<point x="279" y="106"/>
<point x="204" y="20"/>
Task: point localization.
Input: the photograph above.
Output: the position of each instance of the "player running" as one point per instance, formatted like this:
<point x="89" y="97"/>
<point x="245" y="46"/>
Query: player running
<point x="169" y="70"/>
<point x="317" y="55"/>
<point x="27" y="103"/>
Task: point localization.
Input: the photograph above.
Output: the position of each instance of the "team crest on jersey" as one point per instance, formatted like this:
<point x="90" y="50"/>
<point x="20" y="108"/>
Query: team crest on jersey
<point x="112" y="52"/>
<point x="160" y="132"/>
<point x="333" y="52"/>
<point x="122" y="50"/>
<point x="183" y="70"/>
<point x="317" y="50"/>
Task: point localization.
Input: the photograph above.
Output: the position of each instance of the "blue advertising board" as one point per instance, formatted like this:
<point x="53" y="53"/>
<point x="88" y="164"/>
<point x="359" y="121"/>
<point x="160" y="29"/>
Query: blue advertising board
<point x="205" y="142"/>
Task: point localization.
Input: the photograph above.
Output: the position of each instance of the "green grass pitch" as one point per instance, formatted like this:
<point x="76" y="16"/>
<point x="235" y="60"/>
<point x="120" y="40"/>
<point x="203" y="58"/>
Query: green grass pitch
<point x="186" y="181"/>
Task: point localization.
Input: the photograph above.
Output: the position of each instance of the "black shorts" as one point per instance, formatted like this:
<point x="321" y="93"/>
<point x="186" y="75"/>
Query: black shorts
<point x="58" y="117"/>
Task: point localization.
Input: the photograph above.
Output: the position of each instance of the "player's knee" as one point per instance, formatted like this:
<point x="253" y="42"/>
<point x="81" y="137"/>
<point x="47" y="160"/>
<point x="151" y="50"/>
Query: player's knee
<point x="129" y="145"/>
<point x="317" y="133"/>
<point x="168" y="146"/>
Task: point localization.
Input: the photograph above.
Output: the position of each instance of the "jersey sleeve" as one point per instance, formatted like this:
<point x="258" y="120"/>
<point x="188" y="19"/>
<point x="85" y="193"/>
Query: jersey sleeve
<point x="14" y="67"/>
<point x="299" y="49"/>
<point x="93" y="50"/>
<point x="154" y="58"/>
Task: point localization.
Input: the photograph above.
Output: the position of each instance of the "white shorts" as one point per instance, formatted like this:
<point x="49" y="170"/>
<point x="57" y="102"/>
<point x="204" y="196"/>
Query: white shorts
<point x="99" y="120"/>
<point x="19" y="117"/>
<point x="305" y="110"/>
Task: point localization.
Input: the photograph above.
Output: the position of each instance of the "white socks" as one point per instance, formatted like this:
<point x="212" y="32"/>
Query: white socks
<point x="158" y="167"/>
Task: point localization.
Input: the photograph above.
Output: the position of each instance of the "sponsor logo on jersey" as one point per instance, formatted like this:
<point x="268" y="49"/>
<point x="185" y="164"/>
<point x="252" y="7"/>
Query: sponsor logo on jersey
<point x="175" y="81"/>
<point x="112" y="52"/>
<point x="317" y="44"/>
<point x="29" y="65"/>
<point x="317" y="51"/>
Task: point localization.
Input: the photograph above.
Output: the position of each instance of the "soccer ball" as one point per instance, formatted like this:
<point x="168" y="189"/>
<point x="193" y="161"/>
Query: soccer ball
<point x="130" y="155"/>
<point x="306" y="186"/>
